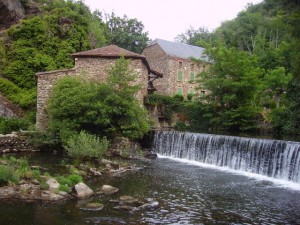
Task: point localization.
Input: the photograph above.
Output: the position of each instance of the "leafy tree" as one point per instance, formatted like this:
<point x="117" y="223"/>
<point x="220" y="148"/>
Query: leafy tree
<point x="199" y="37"/>
<point x="232" y="82"/>
<point x="103" y="109"/>
<point x="127" y="33"/>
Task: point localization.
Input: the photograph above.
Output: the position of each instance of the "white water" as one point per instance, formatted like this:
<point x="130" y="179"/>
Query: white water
<point x="277" y="182"/>
<point x="274" y="160"/>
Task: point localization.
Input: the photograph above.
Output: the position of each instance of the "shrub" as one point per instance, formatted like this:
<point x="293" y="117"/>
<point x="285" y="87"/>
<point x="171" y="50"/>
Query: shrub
<point x="86" y="145"/>
<point x="9" y="175"/>
<point x="7" y="125"/>
<point x="69" y="180"/>
<point x="44" y="140"/>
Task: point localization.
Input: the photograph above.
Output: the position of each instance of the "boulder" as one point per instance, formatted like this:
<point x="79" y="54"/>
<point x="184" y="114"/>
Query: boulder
<point x="107" y="190"/>
<point x="150" y="155"/>
<point x="93" y="206"/>
<point x="53" y="184"/>
<point x="81" y="190"/>
<point x="94" y="172"/>
<point x="11" y="11"/>
<point x="128" y="200"/>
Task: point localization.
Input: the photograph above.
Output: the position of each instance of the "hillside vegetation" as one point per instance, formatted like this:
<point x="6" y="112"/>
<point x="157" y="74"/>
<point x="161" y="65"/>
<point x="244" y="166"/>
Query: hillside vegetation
<point x="255" y="78"/>
<point x="253" y="82"/>
<point x="45" y="41"/>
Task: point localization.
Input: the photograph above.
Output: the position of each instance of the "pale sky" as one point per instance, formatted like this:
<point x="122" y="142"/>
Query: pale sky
<point x="165" y="19"/>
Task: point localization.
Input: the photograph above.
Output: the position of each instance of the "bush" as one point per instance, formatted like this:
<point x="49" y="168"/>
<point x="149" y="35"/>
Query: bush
<point x="9" y="175"/>
<point x="69" y="180"/>
<point x="86" y="145"/>
<point x="44" y="140"/>
<point x="7" y="125"/>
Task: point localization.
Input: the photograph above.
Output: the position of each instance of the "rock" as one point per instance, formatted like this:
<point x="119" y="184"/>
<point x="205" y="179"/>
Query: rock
<point x="105" y="162"/>
<point x="150" y="155"/>
<point x="94" y="172"/>
<point x="50" y="196"/>
<point x="53" y="184"/>
<point x="6" y="151"/>
<point x="124" y="208"/>
<point x="107" y="190"/>
<point x="35" y="181"/>
<point x="81" y="190"/>
<point x="128" y="200"/>
<point x="93" y="206"/>
<point x="150" y="205"/>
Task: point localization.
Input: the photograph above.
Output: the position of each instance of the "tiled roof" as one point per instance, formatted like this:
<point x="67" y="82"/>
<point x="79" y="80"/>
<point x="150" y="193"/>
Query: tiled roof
<point x="180" y="50"/>
<point x="108" y="51"/>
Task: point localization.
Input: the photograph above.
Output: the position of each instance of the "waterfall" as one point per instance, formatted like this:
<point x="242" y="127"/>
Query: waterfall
<point x="272" y="158"/>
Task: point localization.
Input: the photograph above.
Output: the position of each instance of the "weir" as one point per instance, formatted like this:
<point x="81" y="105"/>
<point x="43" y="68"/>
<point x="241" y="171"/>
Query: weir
<point x="272" y="158"/>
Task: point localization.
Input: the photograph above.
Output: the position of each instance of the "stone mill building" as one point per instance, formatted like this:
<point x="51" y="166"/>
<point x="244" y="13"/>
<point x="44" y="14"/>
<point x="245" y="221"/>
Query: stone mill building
<point x="175" y="61"/>
<point x="93" y="64"/>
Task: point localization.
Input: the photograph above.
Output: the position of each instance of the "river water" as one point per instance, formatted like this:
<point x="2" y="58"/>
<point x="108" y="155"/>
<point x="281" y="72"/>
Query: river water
<point x="188" y="193"/>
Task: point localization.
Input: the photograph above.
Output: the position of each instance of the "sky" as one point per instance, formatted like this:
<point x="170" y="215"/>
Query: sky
<point x="165" y="19"/>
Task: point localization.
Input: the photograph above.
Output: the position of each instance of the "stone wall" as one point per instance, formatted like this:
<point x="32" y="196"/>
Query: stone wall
<point x="169" y="66"/>
<point x="90" y="68"/>
<point x="45" y="84"/>
<point x="96" y="68"/>
<point x="14" y="143"/>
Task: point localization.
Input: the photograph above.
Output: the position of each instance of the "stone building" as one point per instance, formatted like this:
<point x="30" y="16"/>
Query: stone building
<point x="174" y="61"/>
<point x="93" y="64"/>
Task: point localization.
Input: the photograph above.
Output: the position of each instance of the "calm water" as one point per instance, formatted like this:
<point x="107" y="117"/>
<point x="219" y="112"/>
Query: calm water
<point x="188" y="194"/>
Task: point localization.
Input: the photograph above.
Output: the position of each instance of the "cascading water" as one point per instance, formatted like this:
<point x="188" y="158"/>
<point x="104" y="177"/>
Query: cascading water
<point x="272" y="158"/>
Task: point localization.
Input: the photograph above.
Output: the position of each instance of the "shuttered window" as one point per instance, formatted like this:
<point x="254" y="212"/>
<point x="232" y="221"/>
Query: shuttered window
<point x="179" y="75"/>
<point x="192" y="76"/>
<point x="180" y="91"/>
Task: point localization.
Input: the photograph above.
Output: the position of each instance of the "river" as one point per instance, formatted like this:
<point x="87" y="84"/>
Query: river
<point x="187" y="192"/>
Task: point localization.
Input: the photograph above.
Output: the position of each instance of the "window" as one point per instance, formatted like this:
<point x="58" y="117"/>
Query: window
<point x="192" y="91"/>
<point x="202" y="93"/>
<point x="192" y="67"/>
<point x="179" y="75"/>
<point x="180" y="65"/>
<point x="192" y="76"/>
<point x="180" y="91"/>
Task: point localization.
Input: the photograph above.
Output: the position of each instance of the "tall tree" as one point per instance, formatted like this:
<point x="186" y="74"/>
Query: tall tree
<point x="232" y="82"/>
<point x="199" y="37"/>
<point x="127" y="33"/>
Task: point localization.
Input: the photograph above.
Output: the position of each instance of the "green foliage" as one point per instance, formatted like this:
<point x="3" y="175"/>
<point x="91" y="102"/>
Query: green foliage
<point x="45" y="42"/>
<point x="24" y="98"/>
<point x="104" y="109"/>
<point x="127" y="33"/>
<point x="8" y="175"/>
<point x="269" y="32"/>
<point x="86" y="145"/>
<point x="8" y="125"/>
<point x="69" y="180"/>
<point x="232" y="82"/>
<point x="44" y="140"/>
<point x="12" y="169"/>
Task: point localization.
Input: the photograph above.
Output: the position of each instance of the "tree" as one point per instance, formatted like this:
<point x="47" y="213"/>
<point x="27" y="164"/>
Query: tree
<point x="106" y="109"/>
<point x="199" y="37"/>
<point x="127" y="33"/>
<point x="232" y="82"/>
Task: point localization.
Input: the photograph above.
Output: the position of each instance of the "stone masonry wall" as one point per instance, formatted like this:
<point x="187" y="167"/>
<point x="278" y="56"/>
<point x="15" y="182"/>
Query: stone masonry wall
<point x="158" y="60"/>
<point x="45" y="84"/>
<point x="13" y="143"/>
<point x="96" y="68"/>
<point x="169" y="66"/>
<point x="90" y="68"/>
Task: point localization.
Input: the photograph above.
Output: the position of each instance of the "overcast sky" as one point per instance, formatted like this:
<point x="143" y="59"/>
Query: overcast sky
<point x="166" y="19"/>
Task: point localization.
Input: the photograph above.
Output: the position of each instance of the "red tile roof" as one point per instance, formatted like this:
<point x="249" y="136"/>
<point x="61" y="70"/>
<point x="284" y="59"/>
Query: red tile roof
<point x="108" y="51"/>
